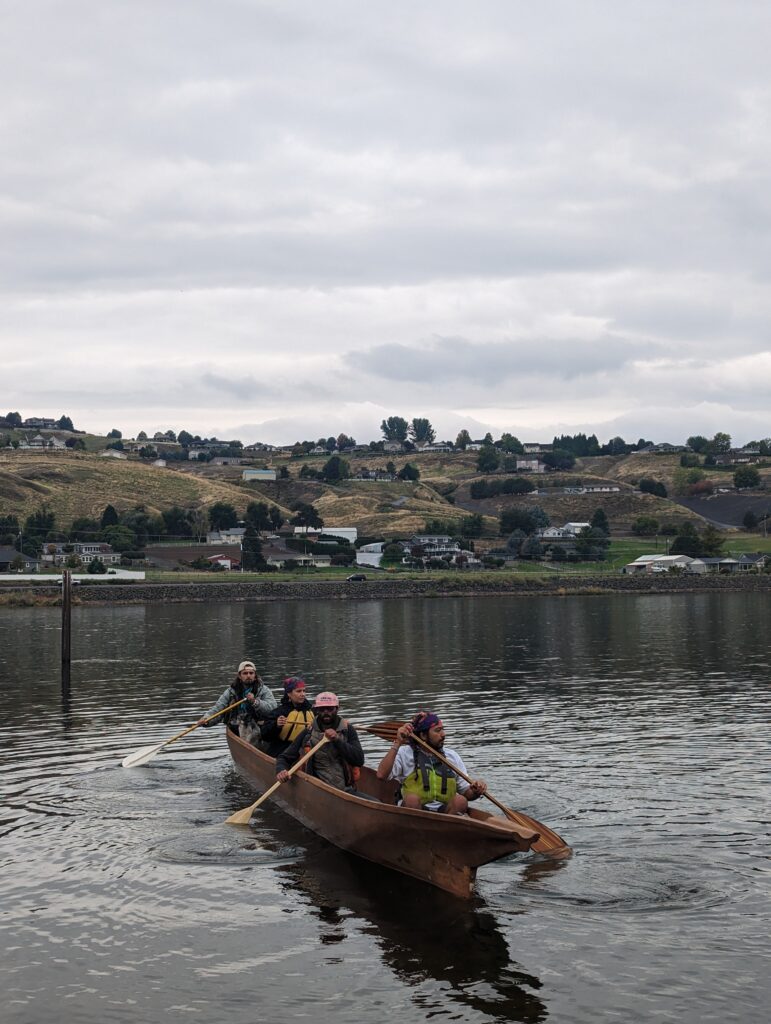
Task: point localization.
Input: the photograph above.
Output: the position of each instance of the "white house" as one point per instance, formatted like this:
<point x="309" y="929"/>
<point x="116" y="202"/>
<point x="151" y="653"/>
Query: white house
<point x="232" y="536"/>
<point x="573" y="529"/>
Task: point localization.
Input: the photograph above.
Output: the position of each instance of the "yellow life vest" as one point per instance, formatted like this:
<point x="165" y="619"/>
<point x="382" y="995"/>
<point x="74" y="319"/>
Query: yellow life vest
<point x="296" y="722"/>
<point x="431" y="780"/>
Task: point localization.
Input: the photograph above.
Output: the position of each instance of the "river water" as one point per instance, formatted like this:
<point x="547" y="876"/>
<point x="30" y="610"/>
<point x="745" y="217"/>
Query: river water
<point x="636" y="726"/>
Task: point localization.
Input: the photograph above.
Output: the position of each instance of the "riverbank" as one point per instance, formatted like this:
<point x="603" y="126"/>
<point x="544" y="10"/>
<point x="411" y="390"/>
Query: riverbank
<point x="383" y="588"/>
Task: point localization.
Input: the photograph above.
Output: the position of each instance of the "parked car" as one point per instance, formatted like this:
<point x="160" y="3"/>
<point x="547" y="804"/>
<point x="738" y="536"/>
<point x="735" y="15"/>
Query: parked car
<point x="357" y="577"/>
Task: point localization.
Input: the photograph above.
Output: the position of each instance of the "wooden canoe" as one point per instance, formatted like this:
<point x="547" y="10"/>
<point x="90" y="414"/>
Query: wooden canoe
<point x="440" y="849"/>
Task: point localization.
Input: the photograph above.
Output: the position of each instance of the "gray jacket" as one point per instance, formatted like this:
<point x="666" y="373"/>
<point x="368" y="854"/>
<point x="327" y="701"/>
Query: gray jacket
<point x="265" y="702"/>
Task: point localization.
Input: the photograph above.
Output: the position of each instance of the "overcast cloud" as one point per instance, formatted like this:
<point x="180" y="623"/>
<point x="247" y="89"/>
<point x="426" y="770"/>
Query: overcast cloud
<point x="280" y="220"/>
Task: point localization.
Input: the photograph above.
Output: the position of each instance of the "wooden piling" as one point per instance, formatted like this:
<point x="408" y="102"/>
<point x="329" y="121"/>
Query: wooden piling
<point x="66" y="625"/>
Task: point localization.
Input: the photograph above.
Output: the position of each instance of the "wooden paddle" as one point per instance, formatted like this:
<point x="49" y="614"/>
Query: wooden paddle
<point x="548" y="841"/>
<point x="242" y="817"/>
<point x="148" y="753"/>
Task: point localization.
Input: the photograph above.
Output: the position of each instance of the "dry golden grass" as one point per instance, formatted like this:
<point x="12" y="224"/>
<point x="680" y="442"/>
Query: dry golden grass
<point x="78" y="484"/>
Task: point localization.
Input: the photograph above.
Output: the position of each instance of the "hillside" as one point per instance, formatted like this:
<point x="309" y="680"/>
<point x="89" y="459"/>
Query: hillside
<point x="81" y="484"/>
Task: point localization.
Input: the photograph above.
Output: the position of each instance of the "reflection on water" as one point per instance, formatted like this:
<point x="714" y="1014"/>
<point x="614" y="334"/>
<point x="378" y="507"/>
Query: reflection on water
<point x="636" y="726"/>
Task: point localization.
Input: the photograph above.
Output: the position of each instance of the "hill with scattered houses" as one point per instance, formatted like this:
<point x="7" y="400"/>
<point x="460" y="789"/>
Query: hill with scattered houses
<point x="74" y="483"/>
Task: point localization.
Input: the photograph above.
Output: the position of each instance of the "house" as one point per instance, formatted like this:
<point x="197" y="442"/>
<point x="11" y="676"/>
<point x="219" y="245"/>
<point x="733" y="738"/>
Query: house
<point x="86" y="551"/>
<point x="437" y="446"/>
<point x="657" y="563"/>
<point x="349" y="533"/>
<point x="530" y="466"/>
<point x="279" y="555"/>
<point x="534" y="448"/>
<point x="8" y="555"/>
<point x="258" y="446"/>
<point x="755" y="560"/>
<point x="112" y="453"/>
<point x="38" y="423"/>
<point x="226" y="460"/>
<point x="704" y="565"/>
<point x="553" y="533"/>
<point x="160" y="462"/>
<point x="235" y="535"/>
<point x="599" y="489"/>
<point x="266" y="475"/>
<point x="224" y="561"/>
<point x="573" y="529"/>
<point x="393" y="446"/>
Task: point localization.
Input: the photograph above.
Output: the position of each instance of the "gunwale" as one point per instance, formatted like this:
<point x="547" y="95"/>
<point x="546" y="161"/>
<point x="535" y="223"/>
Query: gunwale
<point x="444" y="851"/>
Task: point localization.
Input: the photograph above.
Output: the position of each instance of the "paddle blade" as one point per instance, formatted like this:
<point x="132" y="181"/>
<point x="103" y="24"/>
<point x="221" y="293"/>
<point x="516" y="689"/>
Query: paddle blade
<point x="241" y="817"/>
<point x="141" y="756"/>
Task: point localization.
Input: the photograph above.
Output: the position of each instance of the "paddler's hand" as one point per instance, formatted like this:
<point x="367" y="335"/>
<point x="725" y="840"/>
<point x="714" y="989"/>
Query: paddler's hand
<point x="281" y="720"/>
<point x="330" y="734"/>
<point x="251" y="698"/>
<point x="403" y="734"/>
<point x="282" y="776"/>
<point x="201" y="721"/>
<point x="476" y="789"/>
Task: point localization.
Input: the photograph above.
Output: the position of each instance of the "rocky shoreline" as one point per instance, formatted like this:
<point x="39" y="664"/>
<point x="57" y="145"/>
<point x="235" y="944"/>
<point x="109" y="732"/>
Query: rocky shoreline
<point x="387" y="588"/>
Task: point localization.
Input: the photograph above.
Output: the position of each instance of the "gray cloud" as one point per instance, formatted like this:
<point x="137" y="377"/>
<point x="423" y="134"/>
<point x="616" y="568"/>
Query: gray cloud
<point x="503" y="208"/>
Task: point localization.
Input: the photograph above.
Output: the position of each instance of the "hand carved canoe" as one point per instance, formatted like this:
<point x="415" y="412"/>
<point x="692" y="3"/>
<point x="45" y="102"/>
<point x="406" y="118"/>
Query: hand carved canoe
<point x="444" y="850"/>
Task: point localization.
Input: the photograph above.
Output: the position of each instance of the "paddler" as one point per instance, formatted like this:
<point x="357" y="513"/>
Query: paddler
<point x="286" y="722"/>
<point x="338" y="761"/>
<point x="427" y="783"/>
<point x="258" y="702"/>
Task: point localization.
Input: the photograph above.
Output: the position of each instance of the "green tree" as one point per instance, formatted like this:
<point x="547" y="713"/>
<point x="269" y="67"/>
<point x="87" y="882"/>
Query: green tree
<point x="141" y="436"/>
<point x="648" y="486"/>
<point x="421" y="431"/>
<point x="120" y="538"/>
<point x="177" y="521"/>
<point x="599" y="521"/>
<point x="109" y="517"/>
<point x="336" y="469"/>
<point x="746" y="476"/>
<point x="512" y="519"/>
<point x="712" y="542"/>
<point x="720" y="444"/>
<point x="512" y="444"/>
<point x="251" y="550"/>
<point x="488" y="459"/>
<point x="750" y="520"/>
<point x="96" y="567"/>
<point x="559" y="458"/>
<point x="13" y="419"/>
<point x="64" y="423"/>
<point x="84" y="528"/>
<point x="185" y="438"/>
<point x="306" y="515"/>
<point x="344" y="441"/>
<point x="395" y="429"/>
<point x="463" y="440"/>
<point x="471" y="526"/>
<point x="645" y="526"/>
<point x="276" y="518"/>
<point x="699" y="444"/>
<point x="222" y="516"/>
<point x="37" y="527"/>
<point x="115" y="433"/>
<point x="257" y="516"/>
<point x="408" y="472"/>
<point x="687" y="541"/>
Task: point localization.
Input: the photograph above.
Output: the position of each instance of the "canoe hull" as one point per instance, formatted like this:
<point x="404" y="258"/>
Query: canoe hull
<point x="440" y="849"/>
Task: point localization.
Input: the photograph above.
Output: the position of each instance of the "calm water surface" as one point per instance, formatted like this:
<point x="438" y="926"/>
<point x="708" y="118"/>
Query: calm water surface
<point x="637" y="727"/>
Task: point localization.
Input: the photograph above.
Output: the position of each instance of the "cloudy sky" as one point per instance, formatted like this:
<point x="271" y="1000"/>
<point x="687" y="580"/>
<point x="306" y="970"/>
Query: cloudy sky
<point x="280" y="220"/>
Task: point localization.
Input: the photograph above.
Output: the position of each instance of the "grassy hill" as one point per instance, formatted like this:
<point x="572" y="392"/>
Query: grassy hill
<point x="81" y="484"/>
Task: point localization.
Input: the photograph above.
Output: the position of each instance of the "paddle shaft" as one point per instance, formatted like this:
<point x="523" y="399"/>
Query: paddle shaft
<point x="242" y="817"/>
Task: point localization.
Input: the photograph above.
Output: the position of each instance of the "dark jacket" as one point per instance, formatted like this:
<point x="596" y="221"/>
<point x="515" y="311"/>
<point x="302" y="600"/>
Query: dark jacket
<point x="270" y="730"/>
<point x="346" y="750"/>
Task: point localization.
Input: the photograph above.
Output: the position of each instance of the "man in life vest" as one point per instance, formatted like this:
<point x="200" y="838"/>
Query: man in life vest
<point x="427" y="783"/>
<point x="338" y="762"/>
<point x="286" y="722"/>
